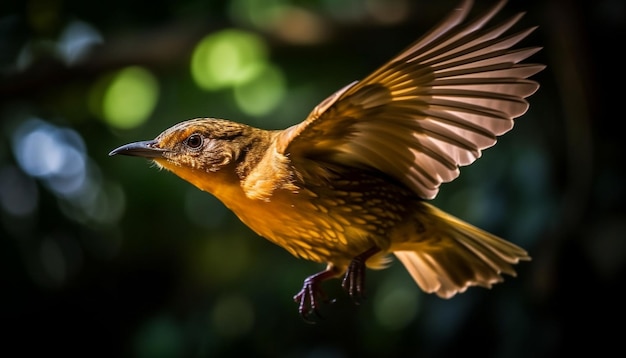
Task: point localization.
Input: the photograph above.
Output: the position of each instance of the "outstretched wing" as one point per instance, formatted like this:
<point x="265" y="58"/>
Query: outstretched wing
<point x="429" y="110"/>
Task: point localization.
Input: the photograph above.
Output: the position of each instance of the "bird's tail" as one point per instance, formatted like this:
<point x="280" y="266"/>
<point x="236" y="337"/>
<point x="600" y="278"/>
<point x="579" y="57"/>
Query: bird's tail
<point x="448" y="255"/>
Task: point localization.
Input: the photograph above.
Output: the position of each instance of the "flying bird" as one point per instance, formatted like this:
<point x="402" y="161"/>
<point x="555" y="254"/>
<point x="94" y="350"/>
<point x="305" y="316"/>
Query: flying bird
<point x="349" y="186"/>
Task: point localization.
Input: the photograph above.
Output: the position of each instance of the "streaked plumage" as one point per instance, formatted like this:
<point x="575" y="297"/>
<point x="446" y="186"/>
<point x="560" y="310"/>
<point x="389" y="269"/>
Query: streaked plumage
<point x="347" y="186"/>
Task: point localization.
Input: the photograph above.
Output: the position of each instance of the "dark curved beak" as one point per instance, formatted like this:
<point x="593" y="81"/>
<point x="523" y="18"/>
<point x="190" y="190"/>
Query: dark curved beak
<point x="145" y="149"/>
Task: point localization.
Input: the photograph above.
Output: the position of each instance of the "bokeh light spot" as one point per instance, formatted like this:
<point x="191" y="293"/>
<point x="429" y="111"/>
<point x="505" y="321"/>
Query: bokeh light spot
<point x="130" y="98"/>
<point x="263" y="93"/>
<point x="388" y="11"/>
<point x="285" y="20"/>
<point x="55" y="155"/>
<point x="76" y="41"/>
<point x="258" y="13"/>
<point x="227" y="58"/>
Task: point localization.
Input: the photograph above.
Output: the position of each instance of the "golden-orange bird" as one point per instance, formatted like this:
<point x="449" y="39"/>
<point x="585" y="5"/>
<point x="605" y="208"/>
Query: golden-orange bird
<point x="347" y="186"/>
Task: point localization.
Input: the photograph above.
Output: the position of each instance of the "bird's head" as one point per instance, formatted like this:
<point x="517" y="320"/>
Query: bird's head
<point x="200" y="150"/>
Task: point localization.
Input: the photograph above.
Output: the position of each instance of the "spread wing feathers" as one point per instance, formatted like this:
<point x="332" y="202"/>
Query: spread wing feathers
<point x="456" y="256"/>
<point x="426" y="112"/>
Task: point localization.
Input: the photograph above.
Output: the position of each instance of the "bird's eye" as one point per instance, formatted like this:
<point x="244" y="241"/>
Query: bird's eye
<point x="194" y="141"/>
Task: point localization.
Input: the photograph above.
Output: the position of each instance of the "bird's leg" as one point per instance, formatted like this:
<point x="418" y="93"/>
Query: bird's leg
<point x="354" y="279"/>
<point x="311" y="292"/>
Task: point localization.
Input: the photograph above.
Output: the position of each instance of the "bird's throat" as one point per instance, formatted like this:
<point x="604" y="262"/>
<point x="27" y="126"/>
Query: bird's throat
<point x="221" y="183"/>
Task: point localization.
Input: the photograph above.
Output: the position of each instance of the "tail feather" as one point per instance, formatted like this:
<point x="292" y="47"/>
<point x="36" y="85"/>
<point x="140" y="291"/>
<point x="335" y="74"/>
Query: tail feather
<point x="451" y="255"/>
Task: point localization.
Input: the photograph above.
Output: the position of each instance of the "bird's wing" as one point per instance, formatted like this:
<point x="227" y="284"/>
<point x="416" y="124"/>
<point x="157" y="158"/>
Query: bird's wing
<point x="429" y="110"/>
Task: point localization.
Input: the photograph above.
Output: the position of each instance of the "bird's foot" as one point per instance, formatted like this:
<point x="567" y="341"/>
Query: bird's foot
<point x="311" y="294"/>
<point x="354" y="279"/>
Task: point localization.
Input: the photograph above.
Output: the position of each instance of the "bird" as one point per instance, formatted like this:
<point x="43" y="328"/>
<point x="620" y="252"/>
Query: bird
<point x="349" y="186"/>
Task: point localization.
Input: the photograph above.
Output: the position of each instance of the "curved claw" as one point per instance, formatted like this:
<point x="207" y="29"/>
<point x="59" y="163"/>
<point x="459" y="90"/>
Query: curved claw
<point x="311" y="293"/>
<point x="307" y="300"/>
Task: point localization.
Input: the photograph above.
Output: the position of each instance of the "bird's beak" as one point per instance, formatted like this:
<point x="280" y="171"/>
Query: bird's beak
<point x="145" y="149"/>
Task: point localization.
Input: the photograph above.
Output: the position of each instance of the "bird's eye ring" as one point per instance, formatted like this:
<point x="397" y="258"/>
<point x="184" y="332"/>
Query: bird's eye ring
<point x="194" y="141"/>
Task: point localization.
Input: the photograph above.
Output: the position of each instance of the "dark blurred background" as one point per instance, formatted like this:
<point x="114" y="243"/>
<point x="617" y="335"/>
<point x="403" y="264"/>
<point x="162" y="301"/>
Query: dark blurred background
<point x="108" y="257"/>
